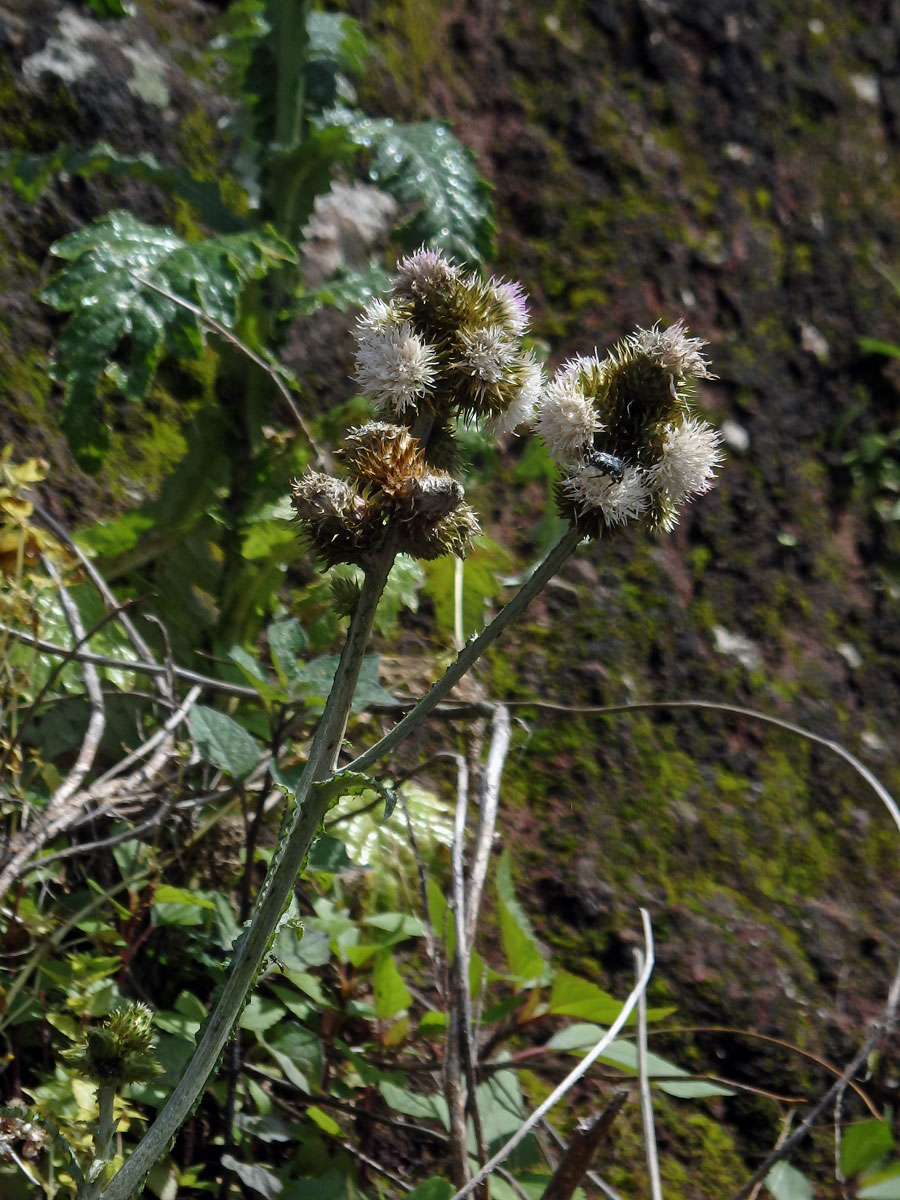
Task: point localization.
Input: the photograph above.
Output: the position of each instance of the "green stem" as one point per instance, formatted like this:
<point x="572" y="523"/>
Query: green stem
<point x="473" y="650"/>
<point x="311" y="808"/>
<point x="106" y="1096"/>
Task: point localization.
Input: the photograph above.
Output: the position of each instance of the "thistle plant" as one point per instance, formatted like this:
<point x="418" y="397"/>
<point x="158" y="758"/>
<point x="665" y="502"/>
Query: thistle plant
<point x="445" y="347"/>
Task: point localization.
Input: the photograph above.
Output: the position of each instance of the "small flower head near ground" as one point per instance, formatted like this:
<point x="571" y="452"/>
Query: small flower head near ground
<point x="623" y="429"/>
<point x="448" y="344"/>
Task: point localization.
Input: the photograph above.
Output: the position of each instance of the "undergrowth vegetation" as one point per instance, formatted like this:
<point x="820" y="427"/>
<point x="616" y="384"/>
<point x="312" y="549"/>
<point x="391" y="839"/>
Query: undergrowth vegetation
<point x="310" y="970"/>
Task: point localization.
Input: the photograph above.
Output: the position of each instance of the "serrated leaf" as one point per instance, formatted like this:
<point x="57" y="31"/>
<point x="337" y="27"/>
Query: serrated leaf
<point x="523" y="956"/>
<point x="863" y="1145"/>
<point x="223" y="742"/>
<point x="349" y="287"/>
<point x="785" y="1182"/>
<point x="118" y="316"/>
<point x="424" y="165"/>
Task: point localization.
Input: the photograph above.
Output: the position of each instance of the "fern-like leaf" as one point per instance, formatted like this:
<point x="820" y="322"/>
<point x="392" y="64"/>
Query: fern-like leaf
<point x="119" y="288"/>
<point x="424" y="166"/>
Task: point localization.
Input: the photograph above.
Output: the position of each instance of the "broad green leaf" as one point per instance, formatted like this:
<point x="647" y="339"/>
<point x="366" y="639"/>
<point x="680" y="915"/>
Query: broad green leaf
<point x="328" y="856"/>
<point x="435" y="1188"/>
<point x="863" y="1145"/>
<point x="413" y="1104"/>
<point x="118" y="286"/>
<point x="392" y="996"/>
<point x="257" y="1178"/>
<point x="286" y="642"/>
<point x="326" y="1123"/>
<point x="223" y="742"/>
<point x="668" y="1077"/>
<point x="433" y="1023"/>
<point x="785" y="1182"/>
<point x="574" y="997"/>
<point x="298" y="1053"/>
<point x="315" y="679"/>
<point x="480" y="583"/>
<point x="261" y="1013"/>
<point x="166" y="894"/>
<point x="348" y="288"/>
<point x="523" y="956"/>
<point x="424" y="165"/>
<point x="501" y="1107"/>
<point x="881" y="1185"/>
<point x="397" y="925"/>
<point x="105" y="9"/>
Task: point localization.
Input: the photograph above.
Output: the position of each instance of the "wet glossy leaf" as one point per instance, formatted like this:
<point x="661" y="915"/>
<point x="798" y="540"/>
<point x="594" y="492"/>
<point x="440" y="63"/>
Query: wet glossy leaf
<point x="117" y="289"/>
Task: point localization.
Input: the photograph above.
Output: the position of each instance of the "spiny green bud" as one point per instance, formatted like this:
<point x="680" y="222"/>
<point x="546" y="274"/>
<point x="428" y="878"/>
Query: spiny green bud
<point x="119" y="1051"/>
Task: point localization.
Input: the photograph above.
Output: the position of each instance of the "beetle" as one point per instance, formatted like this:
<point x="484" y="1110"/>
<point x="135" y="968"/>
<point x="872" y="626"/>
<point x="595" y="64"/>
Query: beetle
<point x="607" y="464"/>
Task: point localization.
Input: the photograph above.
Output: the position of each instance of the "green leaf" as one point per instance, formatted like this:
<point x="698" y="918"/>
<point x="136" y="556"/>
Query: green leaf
<point x="435" y="1188"/>
<point x="118" y="315"/>
<point x="392" y="996"/>
<point x="315" y="679"/>
<point x="31" y="174"/>
<point x="348" y="288"/>
<point x="412" y="1104"/>
<point x="876" y="346"/>
<point x="286" y="642"/>
<point x="424" y="165"/>
<point x="787" y="1183"/>
<point x="255" y="1177"/>
<point x="882" y="1185"/>
<point x="223" y="742"/>
<point x="328" y="856"/>
<point x="863" y="1145"/>
<point x="480" y="583"/>
<point x="261" y="1013"/>
<point x="574" y="997"/>
<point x="298" y="1053"/>
<point x="668" y="1077"/>
<point x="523" y="955"/>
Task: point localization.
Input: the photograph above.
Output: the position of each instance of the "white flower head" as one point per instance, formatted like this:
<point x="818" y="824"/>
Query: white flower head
<point x="425" y="271"/>
<point x="512" y="303"/>
<point x="619" y="501"/>
<point x="525" y="401"/>
<point x="377" y="317"/>
<point x="691" y="453"/>
<point x="673" y="350"/>
<point x="395" y="366"/>
<point x="488" y="353"/>
<point x="567" y="420"/>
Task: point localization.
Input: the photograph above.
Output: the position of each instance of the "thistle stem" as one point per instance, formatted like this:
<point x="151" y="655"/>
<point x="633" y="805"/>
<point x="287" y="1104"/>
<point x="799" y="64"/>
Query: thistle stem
<point x="106" y="1096"/>
<point x="310" y="809"/>
<point x="473" y="650"/>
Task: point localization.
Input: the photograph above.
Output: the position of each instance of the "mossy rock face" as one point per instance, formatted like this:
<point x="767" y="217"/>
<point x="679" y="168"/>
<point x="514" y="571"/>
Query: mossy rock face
<point x="741" y="171"/>
<point x="68" y="79"/>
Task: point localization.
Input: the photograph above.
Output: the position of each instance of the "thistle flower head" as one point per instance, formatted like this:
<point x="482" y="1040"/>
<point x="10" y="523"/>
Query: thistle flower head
<point x="119" y="1051"/>
<point x="673" y="350"/>
<point x="394" y="364"/>
<point x="623" y="429"/>
<point x="333" y="517"/>
<point x="385" y="456"/>
<point x="446" y="343"/>
<point x="424" y="272"/>
<point x="511" y="305"/>
<point x="522" y="407"/>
